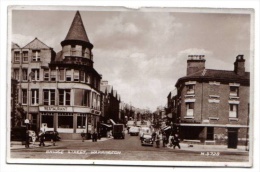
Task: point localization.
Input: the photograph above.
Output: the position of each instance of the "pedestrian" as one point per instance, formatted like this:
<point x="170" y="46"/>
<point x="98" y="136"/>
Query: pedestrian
<point x="94" y="136"/>
<point x="164" y="139"/>
<point x="41" y="138"/>
<point x="153" y="135"/>
<point x="27" y="139"/>
<point x="34" y="137"/>
<point x="176" y="141"/>
<point x="83" y="136"/>
<point x="170" y="144"/>
<point x="157" y="140"/>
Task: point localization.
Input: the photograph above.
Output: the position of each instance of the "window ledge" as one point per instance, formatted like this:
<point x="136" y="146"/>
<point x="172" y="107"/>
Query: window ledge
<point x="214" y="118"/>
<point x="189" y="117"/>
<point x="233" y="119"/>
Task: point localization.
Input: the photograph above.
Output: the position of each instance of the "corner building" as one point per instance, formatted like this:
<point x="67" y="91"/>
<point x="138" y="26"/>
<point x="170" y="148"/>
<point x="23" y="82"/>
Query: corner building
<point x="59" y="91"/>
<point x="213" y="105"/>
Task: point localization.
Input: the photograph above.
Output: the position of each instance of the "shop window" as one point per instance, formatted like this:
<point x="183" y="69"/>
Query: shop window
<point x="64" y="97"/>
<point x="36" y="55"/>
<point x="65" y="121"/>
<point x="49" y="97"/>
<point x="190" y="109"/>
<point x="46" y="75"/>
<point x="210" y="133"/>
<point x="48" y="119"/>
<point x="25" y="56"/>
<point x="24" y="96"/>
<point x="81" y="121"/>
<point x="233" y="110"/>
<point x="16" y="74"/>
<point x="17" y="56"/>
<point x="35" y="97"/>
<point x="25" y="74"/>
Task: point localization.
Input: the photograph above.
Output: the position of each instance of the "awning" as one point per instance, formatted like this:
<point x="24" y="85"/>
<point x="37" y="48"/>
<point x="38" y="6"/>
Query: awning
<point x="107" y="125"/>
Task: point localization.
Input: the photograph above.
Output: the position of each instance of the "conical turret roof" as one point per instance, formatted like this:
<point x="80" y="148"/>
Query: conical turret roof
<point x="77" y="30"/>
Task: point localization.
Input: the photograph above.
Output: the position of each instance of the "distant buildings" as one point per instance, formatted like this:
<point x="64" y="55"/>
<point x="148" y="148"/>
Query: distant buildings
<point x="211" y="105"/>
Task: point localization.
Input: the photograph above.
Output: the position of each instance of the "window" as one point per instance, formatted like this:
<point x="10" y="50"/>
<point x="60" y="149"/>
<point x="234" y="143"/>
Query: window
<point x="87" y="78"/>
<point x="81" y="120"/>
<point x="233" y="110"/>
<point x="53" y="75"/>
<point x="190" y="108"/>
<point x="24" y="96"/>
<point x="16" y="56"/>
<point x="35" y="97"/>
<point x="81" y="76"/>
<point x="234" y="91"/>
<point x="68" y="75"/>
<point x="36" y="55"/>
<point x="76" y="75"/>
<point x="73" y="50"/>
<point x="65" y="121"/>
<point x="35" y="74"/>
<point x="25" y="56"/>
<point x="49" y="97"/>
<point x="190" y="89"/>
<point x="87" y="53"/>
<point x="62" y="75"/>
<point x="46" y="75"/>
<point x="16" y="74"/>
<point x="25" y="74"/>
<point x="64" y="97"/>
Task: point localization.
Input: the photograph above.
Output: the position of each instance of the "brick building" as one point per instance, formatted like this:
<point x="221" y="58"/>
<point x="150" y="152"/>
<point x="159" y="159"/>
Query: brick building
<point x="59" y="91"/>
<point x="212" y="106"/>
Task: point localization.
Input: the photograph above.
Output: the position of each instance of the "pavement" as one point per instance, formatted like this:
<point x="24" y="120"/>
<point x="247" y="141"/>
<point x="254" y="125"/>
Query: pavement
<point x="184" y="146"/>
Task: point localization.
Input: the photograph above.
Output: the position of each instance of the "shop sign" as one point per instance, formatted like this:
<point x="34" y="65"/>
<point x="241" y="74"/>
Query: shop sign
<point x="55" y="109"/>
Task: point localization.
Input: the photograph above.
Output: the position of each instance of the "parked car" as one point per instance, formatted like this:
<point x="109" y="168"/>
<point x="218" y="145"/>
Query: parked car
<point x="130" y="124"/>
<point x="134" y="131"/>
<point x="49" y="135"/>
<point x="146" y="130"/>
<point x="147" y="139"/>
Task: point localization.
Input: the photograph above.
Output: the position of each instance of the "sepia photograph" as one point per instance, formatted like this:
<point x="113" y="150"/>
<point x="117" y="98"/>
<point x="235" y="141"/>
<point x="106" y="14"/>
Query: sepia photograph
<point x="121" y="86"/>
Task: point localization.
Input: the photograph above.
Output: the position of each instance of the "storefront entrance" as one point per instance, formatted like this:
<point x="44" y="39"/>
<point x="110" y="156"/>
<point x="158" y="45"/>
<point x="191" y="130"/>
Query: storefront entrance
<point x="232" y="138"/>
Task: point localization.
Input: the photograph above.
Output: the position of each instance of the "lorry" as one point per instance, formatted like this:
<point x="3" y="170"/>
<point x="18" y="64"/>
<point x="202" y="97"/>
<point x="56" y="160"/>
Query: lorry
<point x="118" y="131"/>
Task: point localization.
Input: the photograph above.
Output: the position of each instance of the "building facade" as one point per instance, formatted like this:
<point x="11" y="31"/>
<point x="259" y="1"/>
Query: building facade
<point x="212" y="106"/>
<point x="59" y="91"/>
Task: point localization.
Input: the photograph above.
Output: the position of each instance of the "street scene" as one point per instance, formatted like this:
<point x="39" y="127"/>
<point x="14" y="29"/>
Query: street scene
<point x="120" y="85"/>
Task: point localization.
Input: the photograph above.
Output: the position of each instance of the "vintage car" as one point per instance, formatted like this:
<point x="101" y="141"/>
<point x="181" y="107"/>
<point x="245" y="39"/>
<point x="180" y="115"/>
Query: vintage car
<point x="146" y="130"/>
<point x="147" y="139"/>
<point x="134" y="131"/>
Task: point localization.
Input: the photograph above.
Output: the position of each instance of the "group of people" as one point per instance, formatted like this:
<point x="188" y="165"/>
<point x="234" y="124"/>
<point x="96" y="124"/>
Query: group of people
<point x="94" y="136"/>
<point x="41" y="137"/>
<point x="172" y="141"/>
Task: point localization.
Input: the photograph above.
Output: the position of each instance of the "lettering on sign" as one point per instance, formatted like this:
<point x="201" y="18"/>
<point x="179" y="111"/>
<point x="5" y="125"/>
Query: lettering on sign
<point x="50" y="108"/>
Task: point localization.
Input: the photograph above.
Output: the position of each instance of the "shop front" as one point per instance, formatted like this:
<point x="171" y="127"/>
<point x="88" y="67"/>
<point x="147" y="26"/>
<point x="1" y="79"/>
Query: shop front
<point x="68" y="121"/>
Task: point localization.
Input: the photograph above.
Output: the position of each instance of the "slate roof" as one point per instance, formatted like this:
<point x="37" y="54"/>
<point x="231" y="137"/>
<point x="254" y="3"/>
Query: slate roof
<point x="212" y="74"/>
<point x="77" y="30"/>
<point x="36" y="44"/>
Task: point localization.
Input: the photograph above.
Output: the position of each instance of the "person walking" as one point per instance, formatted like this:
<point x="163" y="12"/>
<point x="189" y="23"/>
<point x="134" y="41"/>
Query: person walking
<point x="176" y="141"/>
<point x="41" y="138"/>
<point x="34" y="137"/>
<point x="54" y="138"/>
<point x="157" y="140"/>
<point x="83" y="136"/>
<point x="94" y="136"/>
<point x="27" y="139"/>
<point x="164" y="139"/>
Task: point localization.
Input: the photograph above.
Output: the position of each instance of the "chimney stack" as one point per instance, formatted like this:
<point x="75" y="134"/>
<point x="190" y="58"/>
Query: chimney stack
<point x="195" y="63"/>
<point x="239" y="65"/>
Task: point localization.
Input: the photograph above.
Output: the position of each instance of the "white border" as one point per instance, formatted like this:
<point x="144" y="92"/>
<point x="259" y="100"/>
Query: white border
<point x="134" y="4"/>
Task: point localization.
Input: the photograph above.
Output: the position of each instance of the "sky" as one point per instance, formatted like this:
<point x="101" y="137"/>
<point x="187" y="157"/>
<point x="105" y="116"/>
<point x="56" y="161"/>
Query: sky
<point x="143" y="53"/>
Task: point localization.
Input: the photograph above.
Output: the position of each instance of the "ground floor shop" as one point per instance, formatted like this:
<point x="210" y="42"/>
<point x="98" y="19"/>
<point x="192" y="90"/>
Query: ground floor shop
<point x="230" y="135"/>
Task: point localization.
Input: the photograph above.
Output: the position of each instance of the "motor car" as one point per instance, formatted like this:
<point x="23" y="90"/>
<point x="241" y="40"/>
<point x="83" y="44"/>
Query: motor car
<point x="49" y="135"/>
<point x="143" y="130"/>
<point x="118" y="131"/>
<point x="134" y="131"/>
<point x="147" y="139"/>
<point x="130" y="124"/>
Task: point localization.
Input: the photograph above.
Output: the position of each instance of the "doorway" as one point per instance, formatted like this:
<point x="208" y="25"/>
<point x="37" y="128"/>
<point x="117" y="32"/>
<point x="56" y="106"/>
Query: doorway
<point x="232" y="138"/>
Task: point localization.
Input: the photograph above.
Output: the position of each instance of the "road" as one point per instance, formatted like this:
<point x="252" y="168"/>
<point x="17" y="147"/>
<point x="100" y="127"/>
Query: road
<point x="129" y="149"/>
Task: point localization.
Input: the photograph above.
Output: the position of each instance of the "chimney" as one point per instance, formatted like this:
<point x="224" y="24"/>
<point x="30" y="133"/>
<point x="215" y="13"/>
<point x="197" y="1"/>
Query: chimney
<point x="195" y="63"/>
<point x="239" y="65"/>
<point x="104" y="82"/>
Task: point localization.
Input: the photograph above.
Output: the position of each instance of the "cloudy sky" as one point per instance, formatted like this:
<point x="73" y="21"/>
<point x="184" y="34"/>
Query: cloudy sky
<point x="142" y="54"/>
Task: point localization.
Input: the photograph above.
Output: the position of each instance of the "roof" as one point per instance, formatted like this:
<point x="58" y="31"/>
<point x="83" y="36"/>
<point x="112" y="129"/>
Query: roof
<point x="15" y="45"/>
<point x="36" y="44"/>
<point x="216" y="75"/>
<point x="77" y="30"/>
